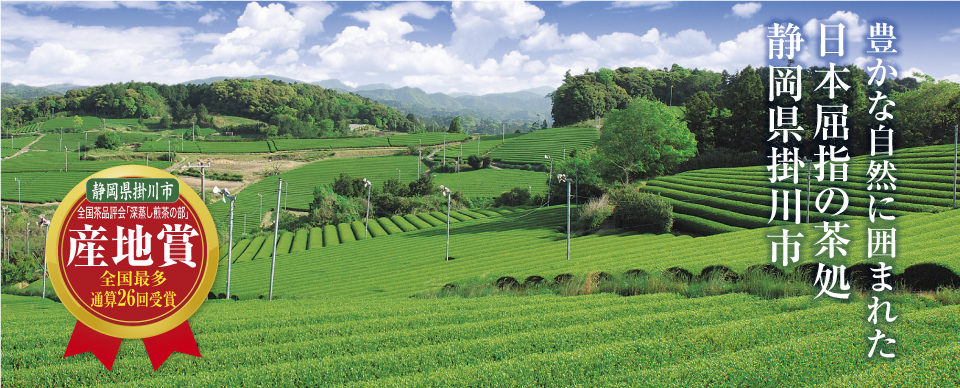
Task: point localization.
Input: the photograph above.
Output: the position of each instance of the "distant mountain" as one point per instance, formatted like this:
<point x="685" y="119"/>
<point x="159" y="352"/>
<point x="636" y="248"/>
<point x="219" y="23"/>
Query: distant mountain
<point x="222" y="78"/>
<point x="334" y="84"/>
<point x="13" y="95"/>
<point x="523" y="105"/>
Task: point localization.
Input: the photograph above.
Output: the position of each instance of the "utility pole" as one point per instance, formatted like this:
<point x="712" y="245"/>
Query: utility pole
<point x="276" y="229"/>
<point x="66" y="160"/>
<point x="195" y="139"/>
<point x="503" y="133"/>
<point x="549" y="177"/>
<point x="18" y="193"/>
<point x="46" y="227"/>
<point x="563" y="178"/>
<point x="419" y="158"/>
<point x="366" y="224"/>
<point x="203" y="175"/>
<point x="671" y="95"/>
<point x="232" y="198"/>
<point x="446" y="193"/>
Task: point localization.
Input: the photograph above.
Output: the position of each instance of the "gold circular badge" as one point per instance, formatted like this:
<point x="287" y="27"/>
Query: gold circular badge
<point x="132" y="252"/>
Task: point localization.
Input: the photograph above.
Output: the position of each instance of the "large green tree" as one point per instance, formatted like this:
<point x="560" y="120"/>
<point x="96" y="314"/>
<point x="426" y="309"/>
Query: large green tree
<point x="700" y="114"/>
<point x="455" y="125"/>
<point x="644" y="139"/>
<point x="745" y="127"/>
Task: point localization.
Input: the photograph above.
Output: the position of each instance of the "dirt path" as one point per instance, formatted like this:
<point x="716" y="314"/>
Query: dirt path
<point x="27" y="148"/>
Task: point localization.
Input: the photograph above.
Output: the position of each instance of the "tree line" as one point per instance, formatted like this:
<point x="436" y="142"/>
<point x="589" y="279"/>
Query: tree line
<point x="729" y="111"/>
<point x="291" y="110"/>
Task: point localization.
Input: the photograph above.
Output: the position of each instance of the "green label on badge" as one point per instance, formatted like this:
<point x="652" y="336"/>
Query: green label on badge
<point x="127" y="190"/>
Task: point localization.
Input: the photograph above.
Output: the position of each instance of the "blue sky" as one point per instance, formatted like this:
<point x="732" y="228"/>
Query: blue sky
<point x="476" y="47"/>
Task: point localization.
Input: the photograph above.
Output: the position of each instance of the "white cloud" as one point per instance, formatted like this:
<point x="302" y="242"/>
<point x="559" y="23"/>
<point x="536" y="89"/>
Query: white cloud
<point x="260" y="30"/>
<point x="746" y="10"/>
<point x="567" y="3"/>
<point x="288" y="57"/>
<point x="481" y="24"/>
<point x="952" y="36"/>
<point x="955" y="78"/>
<point x="653" y="5"/>
<point x="210" y="17"/>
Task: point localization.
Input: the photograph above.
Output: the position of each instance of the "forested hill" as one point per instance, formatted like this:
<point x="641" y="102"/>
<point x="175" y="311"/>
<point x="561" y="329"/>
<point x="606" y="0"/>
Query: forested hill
<point x="297" y="110"/>
<point x="726" y="110"/>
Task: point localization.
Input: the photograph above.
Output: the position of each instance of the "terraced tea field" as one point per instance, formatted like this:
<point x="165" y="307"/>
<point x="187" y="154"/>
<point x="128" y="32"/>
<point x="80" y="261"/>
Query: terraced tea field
<point x="248" y="249"/>
<point x="491" y="183"/>
<point x="43" y="178"/>
<point x="8" y="147"/>
<point x="530" y="148"/>
<point x="302" y="181"/>
<point x="727" y="199"/>
<point x="598" y="340"/>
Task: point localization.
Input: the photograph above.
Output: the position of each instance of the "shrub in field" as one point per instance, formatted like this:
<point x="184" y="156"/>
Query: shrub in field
<point x="475" y="162"/>
<point x="928" y="277"/>
<point x="766" y="269"/>
<point x="719" y="272"/>
<point x="678" y="273"/>
<point x="643" y="212"/>
<point x="507" y="283"/>
<point x="515" y="197"/>
<point x="807" y="272"/>
<point x="109" y="140"/>
<point x="860" y="276"/>
<point x="595" y="213"/>
<point x="563" y="278"/>
<point x="532" y="281"/>
<point x="634" y="274"/>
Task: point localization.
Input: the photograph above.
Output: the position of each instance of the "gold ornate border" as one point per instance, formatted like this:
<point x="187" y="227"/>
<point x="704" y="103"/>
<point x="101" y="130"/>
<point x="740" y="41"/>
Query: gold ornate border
<point x="186" y="310"/>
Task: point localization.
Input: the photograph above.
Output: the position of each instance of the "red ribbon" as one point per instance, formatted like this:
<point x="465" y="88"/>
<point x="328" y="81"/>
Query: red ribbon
<point x="159" y="347"/>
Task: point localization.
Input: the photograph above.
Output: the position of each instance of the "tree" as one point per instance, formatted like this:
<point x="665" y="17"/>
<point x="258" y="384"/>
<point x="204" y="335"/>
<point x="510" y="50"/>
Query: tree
<point x="455" y="125"/>
<point x="475" y="162"/>
<point x="699" y="115"/>
<point x="109" y="140"/>
<point x="745" y="128"/>
<point x="202" y="113"/>
<point x="166" y="122"/>
<point x="645" y="139"/>
<point x="77" y="123"/>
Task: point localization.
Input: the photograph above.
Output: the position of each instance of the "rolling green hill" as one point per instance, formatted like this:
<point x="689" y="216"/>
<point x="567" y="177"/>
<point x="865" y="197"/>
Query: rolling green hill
<point x="741" y="197"/>
<point x="530" y="148"/>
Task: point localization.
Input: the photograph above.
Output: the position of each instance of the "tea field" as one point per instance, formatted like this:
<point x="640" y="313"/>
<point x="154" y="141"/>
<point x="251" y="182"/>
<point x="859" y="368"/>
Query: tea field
<point x="530" y="148"/>
<point x="491" y="183"/>
<point x="741" y="197"/>
<point x="247" y="249"/>
<point x="604" y="340"/>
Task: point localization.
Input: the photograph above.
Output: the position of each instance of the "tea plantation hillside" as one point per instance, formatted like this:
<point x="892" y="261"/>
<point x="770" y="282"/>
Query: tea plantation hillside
<point x="530" y="148"/>
<point x="528" y="243"/>
<point x="728" y="199"/>
<point x="604" y="340"/>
